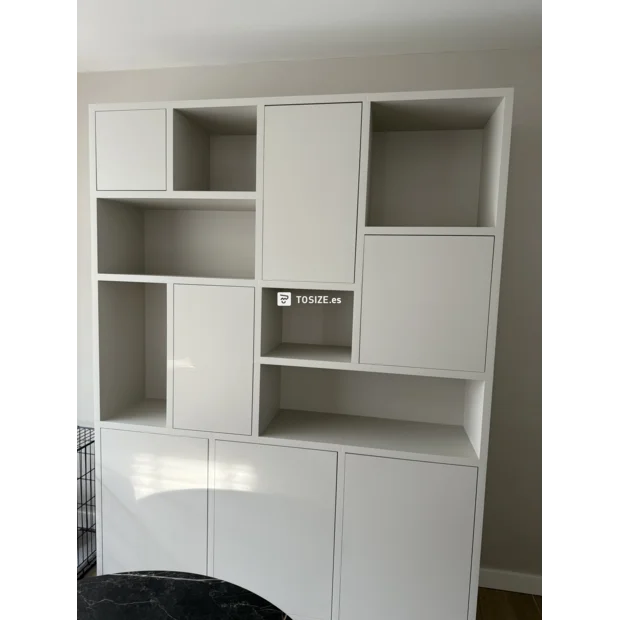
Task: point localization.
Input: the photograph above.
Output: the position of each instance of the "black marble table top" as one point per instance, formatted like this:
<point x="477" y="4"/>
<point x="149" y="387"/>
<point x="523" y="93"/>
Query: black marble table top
<point x="166" y="596"/>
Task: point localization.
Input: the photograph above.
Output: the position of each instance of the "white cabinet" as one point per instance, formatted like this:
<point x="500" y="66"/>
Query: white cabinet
<point x="425" y="301"/>
<point x="311" y="174"/>
<point x="131" y="149"/>
<point x="213" y="358"/>
<point x="274" y="524"/>
<point x="153" y="502"/>
<point x="407" y="539"/>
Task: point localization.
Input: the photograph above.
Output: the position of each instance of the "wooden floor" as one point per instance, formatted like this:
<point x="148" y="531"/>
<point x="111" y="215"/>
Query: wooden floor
<point x="492" y="604"/>
<point x="500" y="605"/>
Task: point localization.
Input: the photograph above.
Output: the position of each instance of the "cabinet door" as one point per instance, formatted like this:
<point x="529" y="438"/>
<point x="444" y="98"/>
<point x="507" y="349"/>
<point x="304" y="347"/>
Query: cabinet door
<point x="213" y="358"/>
<point x="274" y="524"/>
<point x="407" y="539"/>
<point x="153" y="502"/>
<point x="425" y="301"/>
<point x="131" y="149"/>
<point x="311" y="174"/>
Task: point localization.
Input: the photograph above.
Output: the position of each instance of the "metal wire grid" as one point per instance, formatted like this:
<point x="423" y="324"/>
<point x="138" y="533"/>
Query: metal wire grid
<point x="86" y="540"/>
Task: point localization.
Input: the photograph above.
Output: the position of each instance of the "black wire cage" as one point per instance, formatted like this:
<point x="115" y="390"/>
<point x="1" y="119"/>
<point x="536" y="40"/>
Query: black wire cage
<point x="86" y="539"/>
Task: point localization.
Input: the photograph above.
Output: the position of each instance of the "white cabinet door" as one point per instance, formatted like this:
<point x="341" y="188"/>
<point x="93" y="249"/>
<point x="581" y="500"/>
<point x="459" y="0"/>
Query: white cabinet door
<point x="407" y="539"/>
<point x="153" y="502"/>
<point x="274" y="524"/>
<point x="213" y="358"/>
<point x="311" y="174"/>
<point x="131" y="149"/>
<point x="425" y="301"/>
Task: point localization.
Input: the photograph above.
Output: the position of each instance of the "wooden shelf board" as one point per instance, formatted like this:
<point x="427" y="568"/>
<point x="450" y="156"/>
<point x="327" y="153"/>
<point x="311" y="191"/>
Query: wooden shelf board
<point x="149" y="412"/>
<point x="438" y="440"/>
<point x="197" y="201"/>
<point x="311" y="352"/>
<point x="125" y="277"/>
<point x="465" y="231"/>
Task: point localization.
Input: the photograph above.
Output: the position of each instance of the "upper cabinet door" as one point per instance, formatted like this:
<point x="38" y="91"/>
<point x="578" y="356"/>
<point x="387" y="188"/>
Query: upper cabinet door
<point x="425" y="301"/>
<point x="407" y="536"/>
<point x="153" y="502"/>
<point x="213" y="358"/>
<point x="131" y="149"/>
<point x="311" y="175"/>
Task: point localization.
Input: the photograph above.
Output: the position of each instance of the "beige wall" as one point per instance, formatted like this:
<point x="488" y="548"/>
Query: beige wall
<point x="512" y="529"/>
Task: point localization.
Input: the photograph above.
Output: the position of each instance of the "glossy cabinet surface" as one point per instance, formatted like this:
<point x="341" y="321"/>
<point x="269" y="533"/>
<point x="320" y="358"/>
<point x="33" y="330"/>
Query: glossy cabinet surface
<point x="213" y="358"/>
<point x="274" y="524"/>
<point x="425" y="301"/>
<point x="154" y="502"/>
<point x="131" y="149"/>
<point x="311" y="175"/>
<point x="406" y="539"/>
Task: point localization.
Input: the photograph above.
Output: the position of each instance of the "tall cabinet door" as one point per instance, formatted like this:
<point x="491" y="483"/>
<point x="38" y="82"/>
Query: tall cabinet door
<point x="274" y="511"/>
<point x="311" y="174"/>
<point x="213" y="358"/>
<point x="425" y="301"/>
<point x="153" y="502"/>
<point x="407" y="539"/>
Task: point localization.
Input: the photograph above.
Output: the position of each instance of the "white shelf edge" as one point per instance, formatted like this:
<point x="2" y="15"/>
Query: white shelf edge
<point x="311" y="286"/>
<point x="173" y="194"/>
<point x="390" y="370"/>
<point x="464" y="231"/>
<point x="151" y="279"/>
<point x="309" y="353"/>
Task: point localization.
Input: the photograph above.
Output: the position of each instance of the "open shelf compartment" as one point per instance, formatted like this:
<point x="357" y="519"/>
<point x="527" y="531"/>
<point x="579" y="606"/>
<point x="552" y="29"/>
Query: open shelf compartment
<point x="435" y="163"/>
<point x="421" y="415"/>
<point x="214" y="148"/>
<point x="318" y="325"/>
<point x="132" y="353"/>
<point x="175" y="237"/>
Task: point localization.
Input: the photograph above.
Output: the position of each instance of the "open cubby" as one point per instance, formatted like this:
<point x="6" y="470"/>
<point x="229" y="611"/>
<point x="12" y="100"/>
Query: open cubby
<point x="132" y="352"/>
<point x="435" y="162"/>
<point x="172" y="237"/>
<point x="214" y="148"/>
<point x="305" y="330"/>
<point x="406" y="413"/>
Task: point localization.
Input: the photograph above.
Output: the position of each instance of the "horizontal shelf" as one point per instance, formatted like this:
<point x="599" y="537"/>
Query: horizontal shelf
<point x="310" y="352"/>
<point x="447" y="442"/>
<point x="314" y="286"/>
<point x="465" y="231"/>
<point x="124" y="277"/>
<point x="149" y="412"/>
<point x="198" y="201"/>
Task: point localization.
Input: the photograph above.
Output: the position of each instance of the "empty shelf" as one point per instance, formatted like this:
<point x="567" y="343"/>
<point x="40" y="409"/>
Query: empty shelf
<point x="191" y="201"/>
<point x="316" y="352"/>
<point x="149" y="412"/>
<point x="448" y="442"/>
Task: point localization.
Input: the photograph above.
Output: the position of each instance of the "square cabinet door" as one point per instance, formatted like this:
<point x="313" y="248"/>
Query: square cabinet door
<point x="131" y="149"/>
<point x="153" y="502"/>
<point x="407" y="539"/>
<point x="425" y="301"/>
<point x="274" y="512"/>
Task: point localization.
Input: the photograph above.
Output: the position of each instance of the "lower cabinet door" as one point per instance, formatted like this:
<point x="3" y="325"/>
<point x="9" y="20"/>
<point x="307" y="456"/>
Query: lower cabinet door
<point x="407" y="539"/>
<point x="274" y="510"/>
<point x="153" y="502"/>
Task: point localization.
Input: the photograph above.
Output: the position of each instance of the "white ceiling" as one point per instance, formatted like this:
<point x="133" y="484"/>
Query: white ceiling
<point x="141" y="34"/>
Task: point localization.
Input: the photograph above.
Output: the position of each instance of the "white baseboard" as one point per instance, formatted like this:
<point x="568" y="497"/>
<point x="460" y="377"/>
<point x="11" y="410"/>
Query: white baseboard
<point x="496" y="579"/>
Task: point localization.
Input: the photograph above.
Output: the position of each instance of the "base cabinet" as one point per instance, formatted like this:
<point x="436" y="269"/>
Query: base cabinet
<point x="153" y="502"/>
<point x="274" y="511"/>
<point x="407" y="539"/>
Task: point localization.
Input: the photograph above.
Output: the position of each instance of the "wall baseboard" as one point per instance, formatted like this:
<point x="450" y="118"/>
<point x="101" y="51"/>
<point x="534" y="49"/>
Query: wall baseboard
<point x="496" y="579"/>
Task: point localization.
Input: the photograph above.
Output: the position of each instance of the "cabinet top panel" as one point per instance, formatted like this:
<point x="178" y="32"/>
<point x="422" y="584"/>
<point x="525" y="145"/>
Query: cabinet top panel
<point x="483" y="93"/>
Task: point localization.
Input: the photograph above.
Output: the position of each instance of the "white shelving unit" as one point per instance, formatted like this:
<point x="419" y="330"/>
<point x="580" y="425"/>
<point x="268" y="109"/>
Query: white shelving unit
<point x="348" y="430"/>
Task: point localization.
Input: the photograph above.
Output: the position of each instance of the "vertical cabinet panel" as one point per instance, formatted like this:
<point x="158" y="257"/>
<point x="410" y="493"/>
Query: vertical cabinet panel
<point x="154" y="502"/>
<point x="274" y="524"/>
<point x="311" y="174"/>
<point x="131" y="149"/>
<point x="425" y="301"/>
<point x="213" y="358"/>
<point x="407" y="539"/>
